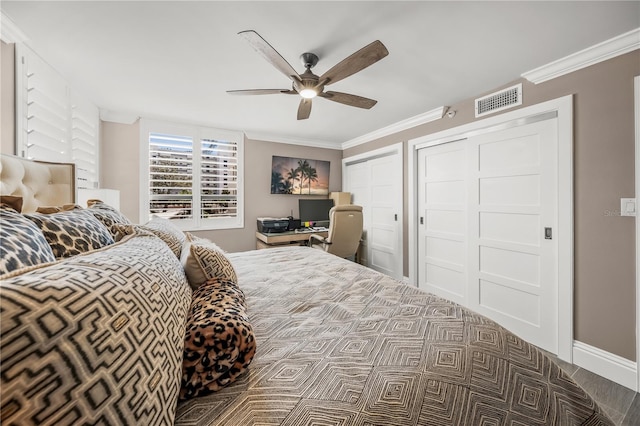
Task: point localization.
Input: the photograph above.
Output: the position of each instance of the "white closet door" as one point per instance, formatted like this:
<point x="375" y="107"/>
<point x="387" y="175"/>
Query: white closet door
<point x="489" y="206"/>
<point x="513" y="199"/>
<point x="442" y="206"/>
<point x="375" y="183"/>
<point x="384" y="234"/>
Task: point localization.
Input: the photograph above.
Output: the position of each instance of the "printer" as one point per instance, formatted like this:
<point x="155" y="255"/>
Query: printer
<point x="270" y="225"/>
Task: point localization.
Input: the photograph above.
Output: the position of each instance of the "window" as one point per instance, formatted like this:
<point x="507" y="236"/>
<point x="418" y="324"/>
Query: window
<point x="193" y="175"/>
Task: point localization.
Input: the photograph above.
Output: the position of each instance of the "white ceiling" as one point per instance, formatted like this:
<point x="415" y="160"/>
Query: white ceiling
<point x="177" y="59"/>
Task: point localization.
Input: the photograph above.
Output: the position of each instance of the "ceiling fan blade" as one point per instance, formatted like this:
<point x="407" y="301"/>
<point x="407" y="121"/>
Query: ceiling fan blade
<point x="270" y="54"/>
<point x="347" y="99"/>
<point x="358" y="61"/>
<point x="262" y="92"/>
<point x="304" y="109"/>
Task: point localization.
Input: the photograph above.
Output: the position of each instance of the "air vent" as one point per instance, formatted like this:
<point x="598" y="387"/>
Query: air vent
<point x="498" y="101"/>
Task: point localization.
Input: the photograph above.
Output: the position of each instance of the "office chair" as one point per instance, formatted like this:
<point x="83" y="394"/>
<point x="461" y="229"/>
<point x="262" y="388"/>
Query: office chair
<point x="345" y="231"/>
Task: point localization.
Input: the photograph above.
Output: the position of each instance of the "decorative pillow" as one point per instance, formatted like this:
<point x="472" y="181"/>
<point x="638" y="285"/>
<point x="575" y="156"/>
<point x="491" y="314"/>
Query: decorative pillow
<point x="168" y="232"/>
<point x="203" y="260"/>
<point x="73" y="232"/>
<point x="108" y="215"/>
<point x="58" y="209"/>
<point x="92" y="201"/>
<point x="219" y="341"/>
<point x="12" y="201"/>
<point x="119" y="231"/>
<point x="192" y="237"/>
<point x="23" y="244"/>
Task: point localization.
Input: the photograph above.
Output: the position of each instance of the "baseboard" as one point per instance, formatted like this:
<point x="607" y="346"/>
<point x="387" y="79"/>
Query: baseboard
<point x="606" y="364"/>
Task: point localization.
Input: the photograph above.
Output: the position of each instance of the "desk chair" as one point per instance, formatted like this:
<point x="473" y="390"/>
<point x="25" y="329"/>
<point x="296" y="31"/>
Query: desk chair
<point x="345" y="231"/>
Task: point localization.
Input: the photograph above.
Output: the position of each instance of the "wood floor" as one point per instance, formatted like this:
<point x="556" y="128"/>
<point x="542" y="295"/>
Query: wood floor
<point x="620" y="403"/>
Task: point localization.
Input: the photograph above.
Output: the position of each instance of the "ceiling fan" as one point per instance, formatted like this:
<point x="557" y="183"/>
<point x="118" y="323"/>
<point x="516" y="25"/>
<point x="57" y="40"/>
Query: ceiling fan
<point x="308" y="85"/>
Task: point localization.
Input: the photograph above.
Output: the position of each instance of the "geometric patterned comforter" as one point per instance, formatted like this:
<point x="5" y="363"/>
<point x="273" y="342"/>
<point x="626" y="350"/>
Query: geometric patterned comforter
<point x="338" y="343"/>
<point x="94" y="339"/>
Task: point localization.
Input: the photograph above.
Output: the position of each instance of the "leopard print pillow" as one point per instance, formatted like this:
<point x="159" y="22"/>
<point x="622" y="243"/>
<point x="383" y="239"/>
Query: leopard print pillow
<point x="72" y="232"/>
<point x="23" y="244"/>
<point x="106" y="214"/>
<point x="219" y="341"/>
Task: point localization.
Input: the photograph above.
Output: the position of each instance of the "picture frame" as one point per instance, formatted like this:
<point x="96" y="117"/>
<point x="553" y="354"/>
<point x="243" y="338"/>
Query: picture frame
<point x="299" y="176"/>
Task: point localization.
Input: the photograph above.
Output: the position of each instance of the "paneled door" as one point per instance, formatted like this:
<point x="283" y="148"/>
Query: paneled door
<point x="490" y="210"/>
<point x="384" y="232"/>
<point x="376" y="184"/>
<point x="443" y="233"/>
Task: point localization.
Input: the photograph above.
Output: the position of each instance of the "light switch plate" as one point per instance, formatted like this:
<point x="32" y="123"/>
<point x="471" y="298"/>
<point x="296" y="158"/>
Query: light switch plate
<point x="628" y="206"/>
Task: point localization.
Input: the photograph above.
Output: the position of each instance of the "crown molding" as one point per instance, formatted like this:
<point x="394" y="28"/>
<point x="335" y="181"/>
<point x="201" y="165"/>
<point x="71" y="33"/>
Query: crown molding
<point x="434" y="114"/>
<point x="9" y="31"/>
<point x="608" y="49"/>
<point x="118" y="117"/>
<point x="292" y="141"/>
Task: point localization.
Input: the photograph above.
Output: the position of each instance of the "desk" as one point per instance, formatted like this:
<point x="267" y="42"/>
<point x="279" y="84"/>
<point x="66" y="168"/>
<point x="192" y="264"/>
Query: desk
<point x="281" y="239"/>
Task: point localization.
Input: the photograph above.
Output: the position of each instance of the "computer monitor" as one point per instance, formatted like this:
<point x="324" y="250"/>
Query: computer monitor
<point x="315" y="210"/>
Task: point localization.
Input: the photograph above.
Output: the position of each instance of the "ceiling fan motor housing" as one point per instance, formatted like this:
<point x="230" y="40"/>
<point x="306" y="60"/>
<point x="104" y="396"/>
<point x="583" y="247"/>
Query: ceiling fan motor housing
<point x="309" y="60"/>
<point x="309" y="80"/>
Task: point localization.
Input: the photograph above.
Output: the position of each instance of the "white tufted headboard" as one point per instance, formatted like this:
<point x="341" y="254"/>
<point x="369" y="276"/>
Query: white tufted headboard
<point x="39" y="183"/>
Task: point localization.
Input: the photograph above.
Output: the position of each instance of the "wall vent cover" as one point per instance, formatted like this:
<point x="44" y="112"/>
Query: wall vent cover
<point x="498" y="101"/>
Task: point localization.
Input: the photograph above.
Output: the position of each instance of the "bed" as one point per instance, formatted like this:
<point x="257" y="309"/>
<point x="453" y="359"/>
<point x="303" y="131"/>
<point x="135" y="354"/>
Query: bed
<point x="338" y="343"/>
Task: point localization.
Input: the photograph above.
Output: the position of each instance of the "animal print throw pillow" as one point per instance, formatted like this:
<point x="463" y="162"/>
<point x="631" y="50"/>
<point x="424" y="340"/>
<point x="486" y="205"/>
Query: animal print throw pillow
<point x="203" y="260"/>
<point x="23" y="244"/>
<point x="73" y="232"/>
<point x="219" y="341"/>
<point x="106" y="214"/>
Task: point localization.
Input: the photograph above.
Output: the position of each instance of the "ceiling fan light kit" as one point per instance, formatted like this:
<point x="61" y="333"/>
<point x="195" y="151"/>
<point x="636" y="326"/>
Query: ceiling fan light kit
<point x="308" y="85"/>
<point x="308" y="93"/>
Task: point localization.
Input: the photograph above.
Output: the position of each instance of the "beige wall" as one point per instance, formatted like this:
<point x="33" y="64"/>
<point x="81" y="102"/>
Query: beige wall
<point x="120" y="171"/>
<point x="120" y="164"/>
<point x="604" y="172"/>
<point x="7" y="105"/>
<point x="258" y="200"/>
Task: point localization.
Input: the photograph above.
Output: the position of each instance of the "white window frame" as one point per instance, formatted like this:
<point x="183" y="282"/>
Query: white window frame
<point x="197" y="133"/>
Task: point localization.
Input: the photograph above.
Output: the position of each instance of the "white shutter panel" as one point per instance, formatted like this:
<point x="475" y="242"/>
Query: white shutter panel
<point x="218" y="178"/>
<point x="43" y="97"/>
<point x="85" y="128"/>
<point x="54" y="124"/>
<point x="170" y="176"/>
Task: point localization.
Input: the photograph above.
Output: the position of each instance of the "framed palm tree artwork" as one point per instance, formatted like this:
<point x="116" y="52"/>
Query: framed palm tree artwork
<point x="299" y="176"/>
